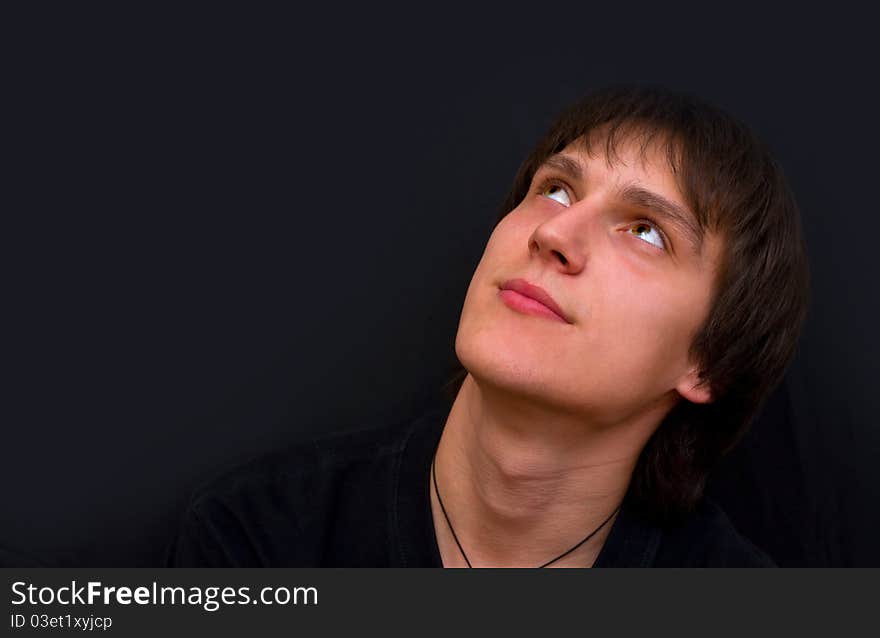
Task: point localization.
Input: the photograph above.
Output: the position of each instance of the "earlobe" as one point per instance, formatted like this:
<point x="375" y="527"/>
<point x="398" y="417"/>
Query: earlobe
<point x="689" y="388"/>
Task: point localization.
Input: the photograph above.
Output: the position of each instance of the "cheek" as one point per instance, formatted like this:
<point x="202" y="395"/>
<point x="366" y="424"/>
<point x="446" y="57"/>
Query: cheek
<point x="510" y="234"/>
<point x="642" y="325"/>
<point x="506" y="251"/>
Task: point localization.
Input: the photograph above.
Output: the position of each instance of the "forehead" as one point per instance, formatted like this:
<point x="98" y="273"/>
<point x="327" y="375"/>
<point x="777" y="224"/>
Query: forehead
<point x="649" y="161"/>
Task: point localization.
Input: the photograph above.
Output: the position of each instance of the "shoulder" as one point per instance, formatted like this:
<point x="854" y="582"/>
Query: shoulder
<point x="305" y="460"/>
<point x="276" y="509"/>
<point x="304" y="456"/>
<point x="708" y="538"/>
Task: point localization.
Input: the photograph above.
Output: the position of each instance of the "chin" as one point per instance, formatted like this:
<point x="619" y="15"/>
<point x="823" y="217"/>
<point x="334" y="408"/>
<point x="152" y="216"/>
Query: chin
<point x="490" y="359"/>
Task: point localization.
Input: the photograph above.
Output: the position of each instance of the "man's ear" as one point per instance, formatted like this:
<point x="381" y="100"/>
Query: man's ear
<point x="689" y="387"/>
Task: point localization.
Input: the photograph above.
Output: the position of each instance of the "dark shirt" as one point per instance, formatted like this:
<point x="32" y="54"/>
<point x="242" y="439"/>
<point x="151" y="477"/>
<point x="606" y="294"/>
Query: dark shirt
<point x="361" y="499"/>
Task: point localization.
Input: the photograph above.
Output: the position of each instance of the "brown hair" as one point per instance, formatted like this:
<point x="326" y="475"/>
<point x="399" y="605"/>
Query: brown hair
<point x="736" y="189"/>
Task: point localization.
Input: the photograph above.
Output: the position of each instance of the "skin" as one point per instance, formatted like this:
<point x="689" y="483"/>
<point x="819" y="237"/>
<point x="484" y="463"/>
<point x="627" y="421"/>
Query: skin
<point x="543" y="436"/>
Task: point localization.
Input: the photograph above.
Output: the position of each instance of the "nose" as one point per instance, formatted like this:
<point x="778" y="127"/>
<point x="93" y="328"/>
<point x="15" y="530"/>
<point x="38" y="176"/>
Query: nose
<point x="557" y="241"/>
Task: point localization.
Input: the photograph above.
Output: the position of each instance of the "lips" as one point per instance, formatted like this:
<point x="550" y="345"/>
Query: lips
<point x="537" y="293"/>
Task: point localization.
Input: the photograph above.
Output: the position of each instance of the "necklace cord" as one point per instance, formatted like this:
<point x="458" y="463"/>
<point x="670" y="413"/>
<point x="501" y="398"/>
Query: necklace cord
<point x="461" y="549"/>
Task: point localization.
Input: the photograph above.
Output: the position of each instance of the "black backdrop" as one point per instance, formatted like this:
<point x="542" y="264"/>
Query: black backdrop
<point x="225" y="231"/>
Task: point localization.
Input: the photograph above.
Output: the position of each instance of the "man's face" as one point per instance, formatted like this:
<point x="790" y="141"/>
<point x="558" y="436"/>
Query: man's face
<point x="634" y="292"/>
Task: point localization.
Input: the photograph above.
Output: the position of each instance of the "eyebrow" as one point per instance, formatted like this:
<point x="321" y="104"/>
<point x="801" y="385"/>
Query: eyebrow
<point x="673" y="213"/>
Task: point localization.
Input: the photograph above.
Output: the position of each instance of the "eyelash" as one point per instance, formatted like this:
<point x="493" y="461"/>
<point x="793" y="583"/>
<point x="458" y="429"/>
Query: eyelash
<point x="552" y="181"/>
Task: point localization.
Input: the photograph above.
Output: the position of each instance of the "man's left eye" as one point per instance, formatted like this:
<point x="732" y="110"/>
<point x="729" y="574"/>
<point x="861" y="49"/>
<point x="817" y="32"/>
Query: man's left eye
<point x="649" y="231"/>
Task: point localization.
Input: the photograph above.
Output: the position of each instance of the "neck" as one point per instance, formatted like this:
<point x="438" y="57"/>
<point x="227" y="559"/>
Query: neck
<point x="523" y="483"/>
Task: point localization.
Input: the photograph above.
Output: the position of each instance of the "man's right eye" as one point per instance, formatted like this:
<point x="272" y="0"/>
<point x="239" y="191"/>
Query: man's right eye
<point x="553" y="189"/>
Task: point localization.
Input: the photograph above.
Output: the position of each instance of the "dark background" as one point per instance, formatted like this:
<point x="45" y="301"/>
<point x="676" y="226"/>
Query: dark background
<point x="225" y="231"/>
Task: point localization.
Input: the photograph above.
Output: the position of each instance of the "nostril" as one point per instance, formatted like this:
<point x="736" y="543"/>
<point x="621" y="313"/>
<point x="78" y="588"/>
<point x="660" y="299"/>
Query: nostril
<point x="561" y="257"/>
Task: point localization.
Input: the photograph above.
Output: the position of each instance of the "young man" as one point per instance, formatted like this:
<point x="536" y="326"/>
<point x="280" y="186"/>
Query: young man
<point x="639" y="298"/>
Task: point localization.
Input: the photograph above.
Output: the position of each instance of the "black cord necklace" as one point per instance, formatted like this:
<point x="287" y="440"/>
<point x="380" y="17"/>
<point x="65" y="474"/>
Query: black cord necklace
<point x="461" y="549"/>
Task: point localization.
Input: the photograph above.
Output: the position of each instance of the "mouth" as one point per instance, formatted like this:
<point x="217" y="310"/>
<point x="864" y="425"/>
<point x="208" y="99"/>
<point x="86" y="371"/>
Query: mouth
<point x="520" y="295"/>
